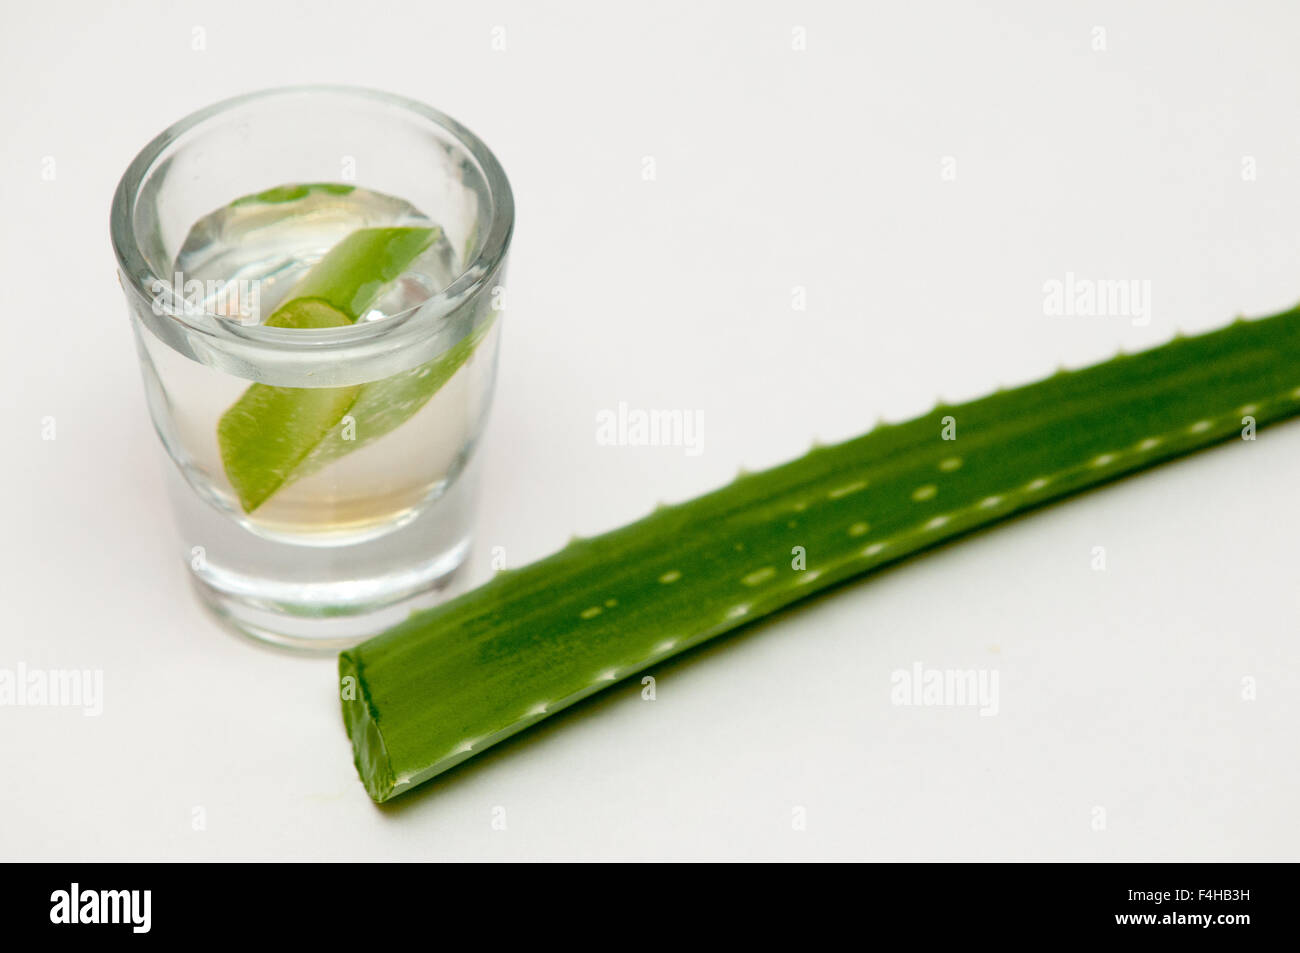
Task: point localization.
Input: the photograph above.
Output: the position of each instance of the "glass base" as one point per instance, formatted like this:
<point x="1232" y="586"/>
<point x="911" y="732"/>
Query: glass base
<point x="323" y="598"/>
<point x="325" y="618"/>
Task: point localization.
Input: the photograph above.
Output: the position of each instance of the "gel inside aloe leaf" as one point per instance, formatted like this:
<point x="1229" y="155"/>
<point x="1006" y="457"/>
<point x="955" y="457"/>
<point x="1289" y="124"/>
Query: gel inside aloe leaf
<point x="273" y="436"/>
<point x="270" y="431"/>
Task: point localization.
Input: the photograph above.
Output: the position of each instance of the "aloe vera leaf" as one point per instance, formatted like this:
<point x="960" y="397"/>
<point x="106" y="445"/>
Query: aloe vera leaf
<point x="453" y="680"/>
<point x="268" y="435"/>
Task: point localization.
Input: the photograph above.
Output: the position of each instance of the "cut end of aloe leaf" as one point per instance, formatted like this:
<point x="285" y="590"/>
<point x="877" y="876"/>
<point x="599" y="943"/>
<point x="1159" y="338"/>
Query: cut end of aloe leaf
<point x="361" y="720"/>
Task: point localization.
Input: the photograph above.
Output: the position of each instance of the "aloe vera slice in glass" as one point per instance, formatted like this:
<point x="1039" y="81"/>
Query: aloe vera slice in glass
<point x="292" y="193"/>
<point x="382" y="406"/>
<point x="270" y="431"/>
<point x="354" y="272"/>
<point x="273" y="435"/>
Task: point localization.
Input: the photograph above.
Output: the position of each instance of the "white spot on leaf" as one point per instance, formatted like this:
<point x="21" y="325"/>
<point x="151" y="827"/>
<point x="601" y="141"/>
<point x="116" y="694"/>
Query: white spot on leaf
<point x="854" y="487"/>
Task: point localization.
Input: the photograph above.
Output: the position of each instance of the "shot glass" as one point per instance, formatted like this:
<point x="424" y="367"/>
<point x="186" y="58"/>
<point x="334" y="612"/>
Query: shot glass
<point x="315" y="281"/>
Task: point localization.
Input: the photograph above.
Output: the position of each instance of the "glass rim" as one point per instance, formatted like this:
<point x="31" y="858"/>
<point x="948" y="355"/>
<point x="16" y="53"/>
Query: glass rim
<point x="138" y="276"/>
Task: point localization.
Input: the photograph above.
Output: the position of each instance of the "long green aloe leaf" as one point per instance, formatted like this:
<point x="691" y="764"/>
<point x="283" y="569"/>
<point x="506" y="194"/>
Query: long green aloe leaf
<point x="454" y="680"/>
<point x="273" y="435"/>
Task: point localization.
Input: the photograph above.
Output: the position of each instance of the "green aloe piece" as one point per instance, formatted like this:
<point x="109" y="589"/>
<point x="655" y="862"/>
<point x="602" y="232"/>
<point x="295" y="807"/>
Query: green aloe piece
<point x="273" y="435"/>
<point x="291" y="193"/>
<point x="354" y="272"/>
<point x="453" y="680"/>
<point x="268" y="434"/>
<point x="382" y="406"/>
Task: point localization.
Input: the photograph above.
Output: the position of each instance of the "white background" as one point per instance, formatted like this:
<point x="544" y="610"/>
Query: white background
<point x="776" y="168"/>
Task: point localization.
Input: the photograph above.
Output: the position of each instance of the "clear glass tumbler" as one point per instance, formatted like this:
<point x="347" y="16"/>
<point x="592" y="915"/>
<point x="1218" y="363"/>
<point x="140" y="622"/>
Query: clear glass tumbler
<point x="314" y="277"/>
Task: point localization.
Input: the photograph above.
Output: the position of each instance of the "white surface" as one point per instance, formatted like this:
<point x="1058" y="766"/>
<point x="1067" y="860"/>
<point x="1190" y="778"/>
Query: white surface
<point x="775" y="168"/>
